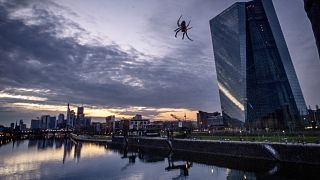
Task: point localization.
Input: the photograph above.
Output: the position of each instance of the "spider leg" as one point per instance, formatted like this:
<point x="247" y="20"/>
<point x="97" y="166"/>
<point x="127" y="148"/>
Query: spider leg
<point x="188" y="37"/>
<point x="177" y="29"/>
<point x="189" y="28"/>
<point x="188" y="23"/>
<point x="177" y="33"/>
<point x="183" y="35"/>
<point x="178" y="22"/>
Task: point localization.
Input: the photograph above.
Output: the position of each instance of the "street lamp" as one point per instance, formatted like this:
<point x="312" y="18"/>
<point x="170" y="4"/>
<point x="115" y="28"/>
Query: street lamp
<point x="284" y="137"/>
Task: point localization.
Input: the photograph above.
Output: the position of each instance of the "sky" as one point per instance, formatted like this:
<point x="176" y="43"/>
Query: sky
<point x="120" y="57"/>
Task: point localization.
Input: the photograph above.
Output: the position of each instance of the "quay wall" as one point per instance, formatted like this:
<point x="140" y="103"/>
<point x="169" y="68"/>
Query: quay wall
<point x="233" y="149"/>
<point x="298" y="153"/>
<point x="149" y="142"/>
<point x="278" y="152"/>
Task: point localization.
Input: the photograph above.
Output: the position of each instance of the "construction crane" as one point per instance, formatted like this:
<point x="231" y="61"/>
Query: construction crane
<point x="179" y="119"/>
<point x="184" y="130"/>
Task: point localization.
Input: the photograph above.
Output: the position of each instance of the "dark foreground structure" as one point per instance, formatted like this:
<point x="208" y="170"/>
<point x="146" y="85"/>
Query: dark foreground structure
<point x="312" y="8"/>
<point x="257" y="82"/>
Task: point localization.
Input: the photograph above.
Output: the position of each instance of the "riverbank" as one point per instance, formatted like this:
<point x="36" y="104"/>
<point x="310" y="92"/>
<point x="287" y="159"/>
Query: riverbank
<point x="275" y="152"/>
<point x="81" y="160"/>
<point x="86" y="138"/>
<point x="263" y="137"/>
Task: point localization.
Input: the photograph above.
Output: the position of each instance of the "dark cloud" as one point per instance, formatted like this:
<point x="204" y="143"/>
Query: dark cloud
<point x="36" y="56"/>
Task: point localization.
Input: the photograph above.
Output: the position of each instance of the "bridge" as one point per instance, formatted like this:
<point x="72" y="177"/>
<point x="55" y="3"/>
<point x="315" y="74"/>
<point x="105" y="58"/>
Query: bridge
<point x="38" y="132"/>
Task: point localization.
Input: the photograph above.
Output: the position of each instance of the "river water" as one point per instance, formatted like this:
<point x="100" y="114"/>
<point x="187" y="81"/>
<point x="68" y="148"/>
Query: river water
<point x="66" y="159"/>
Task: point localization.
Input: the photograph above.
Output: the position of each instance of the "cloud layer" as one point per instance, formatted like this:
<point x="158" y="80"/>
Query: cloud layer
<point x="122" y="58"/>
<point x="47" y="59"/>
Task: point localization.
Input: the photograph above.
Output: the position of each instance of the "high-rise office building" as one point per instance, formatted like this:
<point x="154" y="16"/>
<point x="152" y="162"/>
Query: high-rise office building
<point x="61" y="122"/>
<point x="80" y="111"/>
<point x="80" y="117"/>
<point x="52" y="122"/>
<point x="257" y="81"/>
<point x="22" y="125"/>
<point x="110" y="118"/>
<point x="87" y="121"/>
<point x="137" y="117"/>
<point x="73" y="118"/>
<point x="111" y="123"/>
<point x="70" y="117"/>
<point x="60" y="118"/>
<point x="35" y="124"/>
<point x="45" y="121"/>
<point x="312" y="8"/>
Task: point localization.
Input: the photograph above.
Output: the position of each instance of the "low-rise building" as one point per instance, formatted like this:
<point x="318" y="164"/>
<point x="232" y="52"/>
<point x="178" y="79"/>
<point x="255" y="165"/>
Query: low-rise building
<point x="207" y="120"/>
<point x="312" y="119"/>
<point x="138" y="125"/>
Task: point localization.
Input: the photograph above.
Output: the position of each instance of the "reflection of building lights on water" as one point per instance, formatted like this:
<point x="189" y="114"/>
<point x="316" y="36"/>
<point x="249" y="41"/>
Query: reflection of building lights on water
<point x="244" y="177"/>
<point x="212" y="171"/>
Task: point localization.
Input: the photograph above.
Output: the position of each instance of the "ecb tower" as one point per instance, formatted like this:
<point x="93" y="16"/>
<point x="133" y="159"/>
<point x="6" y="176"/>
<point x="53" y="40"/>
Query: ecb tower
<point x="257" y="81"/>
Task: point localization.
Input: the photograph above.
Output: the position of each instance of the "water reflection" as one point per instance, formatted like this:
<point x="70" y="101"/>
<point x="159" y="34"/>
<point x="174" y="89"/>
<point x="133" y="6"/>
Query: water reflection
<point x="184" y="168"/>
<point x="176" y="163"/>
<point x="77" y="151"/>
<point x="37" y="151"/>
<point x="42" y="158"/>
<point x="151" y="158"/>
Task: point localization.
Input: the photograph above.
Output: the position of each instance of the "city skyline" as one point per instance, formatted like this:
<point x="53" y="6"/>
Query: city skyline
<point x="115" y="63"/>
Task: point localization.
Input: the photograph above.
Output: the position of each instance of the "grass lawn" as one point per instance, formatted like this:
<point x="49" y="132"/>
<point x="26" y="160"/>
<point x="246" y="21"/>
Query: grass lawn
<point x="256" y="138"/>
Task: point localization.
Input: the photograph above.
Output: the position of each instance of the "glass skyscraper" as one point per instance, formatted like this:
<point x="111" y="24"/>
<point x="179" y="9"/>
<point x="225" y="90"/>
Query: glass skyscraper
<point x="257" y="81"/>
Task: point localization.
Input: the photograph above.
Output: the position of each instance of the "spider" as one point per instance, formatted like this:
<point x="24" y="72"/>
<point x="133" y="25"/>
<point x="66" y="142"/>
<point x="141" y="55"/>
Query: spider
<point x="183" y="28"/>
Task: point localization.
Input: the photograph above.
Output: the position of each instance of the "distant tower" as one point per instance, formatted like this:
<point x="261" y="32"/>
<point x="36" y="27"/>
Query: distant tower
<point x="60" y="118"/>
<point x="69" y="120"/>
<point x="80" y="111"/>
<point x="312" y="8"/>
<point x="45" y="122"/>
<point x="16" y="126"/>
<point x="257" y="81"/>
<point x="137" y="117"/>
<point x="80" y="116"/>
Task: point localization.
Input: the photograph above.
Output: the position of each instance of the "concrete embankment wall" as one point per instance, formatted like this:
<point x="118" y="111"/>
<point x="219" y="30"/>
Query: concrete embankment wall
<point x="88" y="139"/>
<point x="149" y="142"/>
<point x="160" y="143"/>
<point x="118" y="140"/>
<point x="297" y="153"/>
<point x="233" y="149"/>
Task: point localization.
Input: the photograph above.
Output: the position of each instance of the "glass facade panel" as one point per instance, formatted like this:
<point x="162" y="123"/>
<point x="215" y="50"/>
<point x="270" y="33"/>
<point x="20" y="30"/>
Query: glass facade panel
<point x="284" y="54"/>
<point x="228" y="37"/>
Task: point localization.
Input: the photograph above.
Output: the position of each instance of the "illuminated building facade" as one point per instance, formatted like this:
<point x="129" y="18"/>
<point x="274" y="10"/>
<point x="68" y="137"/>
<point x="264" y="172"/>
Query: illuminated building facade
<point x="256" y="78"/>
<point x="207" y="120"/>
